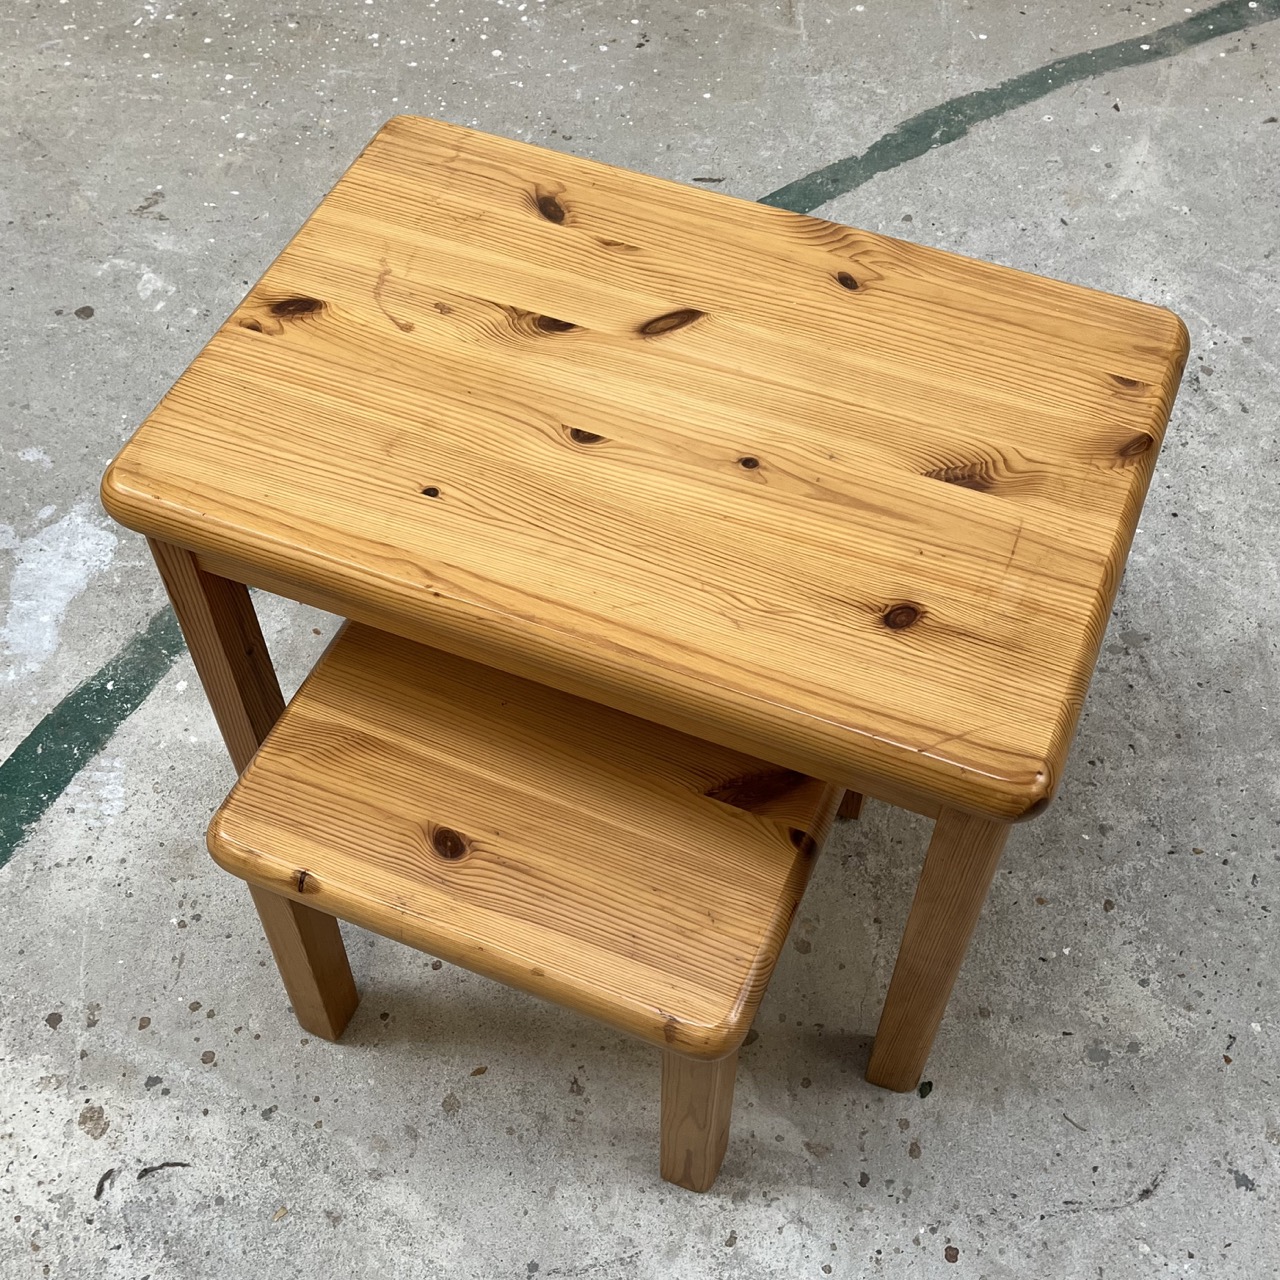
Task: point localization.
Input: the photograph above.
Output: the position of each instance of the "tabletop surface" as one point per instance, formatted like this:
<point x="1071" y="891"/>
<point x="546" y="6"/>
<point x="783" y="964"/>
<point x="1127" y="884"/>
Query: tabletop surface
<point x="857" y="506"/>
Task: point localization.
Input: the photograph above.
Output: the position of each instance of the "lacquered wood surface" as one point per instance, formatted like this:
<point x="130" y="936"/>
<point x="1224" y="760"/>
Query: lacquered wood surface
<point x="614" y="866"/>
<point x="222" y="633"/>
<point x="857" y="505"/>
<point x="697" y="1106"/>
<point x="958" y="869"/>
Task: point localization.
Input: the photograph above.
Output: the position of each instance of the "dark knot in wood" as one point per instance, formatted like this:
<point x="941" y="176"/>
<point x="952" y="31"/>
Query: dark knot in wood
<point x="448" y="843"/>
<point x="1136" y="446"/>
<point x="671" y="321"/>
<point x="968" y="475"/>
<point x="754" y="791"/>
<point x="299" y="306"/>
<point x="550" y="207"/>
<point x="899" y="616"/>
<point x="803" y="841"/>
<point x="549" y="324"/>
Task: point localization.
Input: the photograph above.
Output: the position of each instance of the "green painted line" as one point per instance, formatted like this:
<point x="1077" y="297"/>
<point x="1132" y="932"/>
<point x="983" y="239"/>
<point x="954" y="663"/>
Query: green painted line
<point x="47" y="759"/>
<point x="51" y="755"/>
<point x="950" y="121"/>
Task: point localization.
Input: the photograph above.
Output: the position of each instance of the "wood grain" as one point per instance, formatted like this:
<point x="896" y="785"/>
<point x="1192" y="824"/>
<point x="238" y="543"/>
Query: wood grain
<point x="854" y="505"/>
<point x="681" y="715"/>
<point x="958" y="870"/>
<point x="312" y="961"/>
<point x="697" y="1104"/>
<point x="850" y="806"/>
<point x="222" y="633"/>
<point x="614" y="866"/>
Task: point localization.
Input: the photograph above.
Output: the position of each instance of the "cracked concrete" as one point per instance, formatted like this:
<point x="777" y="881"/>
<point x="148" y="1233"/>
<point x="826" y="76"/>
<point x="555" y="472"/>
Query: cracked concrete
<point x="1103" y="1097"/>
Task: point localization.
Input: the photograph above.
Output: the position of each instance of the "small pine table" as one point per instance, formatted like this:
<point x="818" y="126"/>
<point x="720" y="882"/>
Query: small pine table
<point x="850" y="505"/>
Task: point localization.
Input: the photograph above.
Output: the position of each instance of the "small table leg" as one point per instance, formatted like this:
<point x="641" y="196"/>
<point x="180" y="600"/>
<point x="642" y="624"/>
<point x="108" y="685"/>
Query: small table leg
<point x="697" y="1103"/>
<point x="958" y="870"/>
<point x="230" y="656"/>
<point x="850" y="805"/>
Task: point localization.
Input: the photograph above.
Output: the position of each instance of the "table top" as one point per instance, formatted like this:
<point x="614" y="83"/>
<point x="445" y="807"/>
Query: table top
<point x="850" y="504"/>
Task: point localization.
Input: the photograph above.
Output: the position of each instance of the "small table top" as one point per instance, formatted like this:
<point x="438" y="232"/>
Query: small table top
<point x="852" y="505"/>
<point x="640" y="875"/>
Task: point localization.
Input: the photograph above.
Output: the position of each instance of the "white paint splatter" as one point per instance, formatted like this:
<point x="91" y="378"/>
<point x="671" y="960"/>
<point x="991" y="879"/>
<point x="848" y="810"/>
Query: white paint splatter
<point x="97" y="794"/>
<point x="151" y="283"/>
<point x="51" y="568"/>
<point x="36" y="455"/>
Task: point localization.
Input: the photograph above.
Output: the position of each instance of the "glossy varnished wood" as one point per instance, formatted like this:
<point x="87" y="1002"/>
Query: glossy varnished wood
<point x="308" y="951"/>
<point x="384" y="617"/>
<point x="622" y="869"/>
<point x="854" y="505"/>
<point x="958" y="869"/>
<point x="221" y="629"/>
<point x="697" y="1105"/>
<point x="230" y="656"/>
<point x="850" y="806"/>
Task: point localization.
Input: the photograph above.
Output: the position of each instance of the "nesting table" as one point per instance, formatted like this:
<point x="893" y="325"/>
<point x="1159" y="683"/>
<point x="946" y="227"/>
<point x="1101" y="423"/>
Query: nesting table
<point x="853" y="506"/>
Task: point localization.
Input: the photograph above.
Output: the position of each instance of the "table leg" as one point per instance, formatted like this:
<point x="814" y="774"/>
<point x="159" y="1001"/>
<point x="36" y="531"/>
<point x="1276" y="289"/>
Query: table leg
<point x="230" y="656"/>
<point x="697" y="1103"/>
<point x="850" y="805"/>
<point x="958" y="870"/>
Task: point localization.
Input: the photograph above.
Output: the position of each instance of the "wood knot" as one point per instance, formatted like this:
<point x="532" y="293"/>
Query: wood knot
<point x="897" y="617"/>
<point x="846" y="281"/>
<point x="549" y="324"/>
<point x="254" y="326"/>
<point x="578" y="436"/>
<point x="431" y="491"/>
<point x="305" y="882"/>
<point x="1128" y="383"/>
<point x="803" y="842"/>
<point x="1037" y="807"/>
<point x="1136" y="445"/>
<point x="449" y="844"/>
<point x="550" y="207"/>
<point x="753" y="791"/>
<point x="749" y="463"/>
<point x="299" y="306"/>
<point x="968" y="475"/>
<point x="671" y="321"/>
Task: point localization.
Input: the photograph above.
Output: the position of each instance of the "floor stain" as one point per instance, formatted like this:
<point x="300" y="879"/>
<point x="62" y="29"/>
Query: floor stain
<point x="93" y="1120"/>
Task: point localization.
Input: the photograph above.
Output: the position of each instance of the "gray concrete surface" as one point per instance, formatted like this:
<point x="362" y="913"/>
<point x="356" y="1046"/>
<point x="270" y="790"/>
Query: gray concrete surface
<point x="1105" y="1086"/>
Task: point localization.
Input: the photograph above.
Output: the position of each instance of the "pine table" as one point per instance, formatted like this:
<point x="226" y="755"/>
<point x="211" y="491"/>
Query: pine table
<point x="848" y="504"/>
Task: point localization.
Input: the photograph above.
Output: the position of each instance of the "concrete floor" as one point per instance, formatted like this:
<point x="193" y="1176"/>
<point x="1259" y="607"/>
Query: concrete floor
<point x="1104" y="1093"/>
